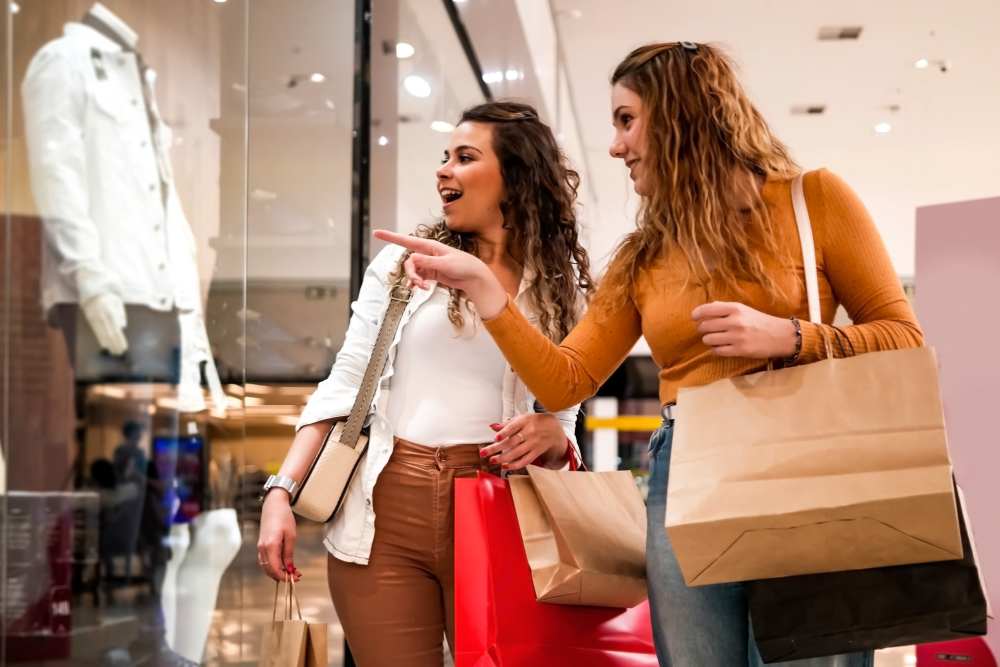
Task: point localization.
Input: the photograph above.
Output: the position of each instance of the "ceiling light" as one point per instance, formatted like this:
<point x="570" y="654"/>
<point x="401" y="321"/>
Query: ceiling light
<point x="317" y="77"/>
<point x="833" y="33"/>
<point x="404" y="50"/>
<point x="383" y="140"/>
<point x="883" y="128"/>
<point x="493" y="77"/>
<point x="219" y="2"/>
<point x="417" y="86"/>
<point x="14" y="8"/>
<point x="513" y="75"/>
<point x="330" y="105"/>
<point x="442" y="126"/>
<point x="922" y="63"/>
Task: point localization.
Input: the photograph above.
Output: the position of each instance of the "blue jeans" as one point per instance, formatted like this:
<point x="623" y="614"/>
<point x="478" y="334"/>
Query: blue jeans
<point x="703" y="626"/>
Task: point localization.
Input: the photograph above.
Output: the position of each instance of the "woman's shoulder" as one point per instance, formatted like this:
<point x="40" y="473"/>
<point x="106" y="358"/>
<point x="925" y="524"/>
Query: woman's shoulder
<point x="386" y="261"/>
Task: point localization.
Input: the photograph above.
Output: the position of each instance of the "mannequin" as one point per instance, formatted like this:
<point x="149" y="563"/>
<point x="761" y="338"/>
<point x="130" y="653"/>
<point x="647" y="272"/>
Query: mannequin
<point x="215" y="543"/>
<point x="119" y="271"/>
<point x="178" y="541"/>
<point x="202" y="550"/>
<point x="119" y="266"/>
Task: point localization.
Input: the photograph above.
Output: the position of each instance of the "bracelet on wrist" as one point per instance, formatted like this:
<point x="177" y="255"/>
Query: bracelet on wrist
<point x="794" y="359"/>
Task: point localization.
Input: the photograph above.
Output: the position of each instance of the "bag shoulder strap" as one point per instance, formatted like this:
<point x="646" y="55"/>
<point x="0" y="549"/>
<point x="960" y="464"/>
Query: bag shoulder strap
<point x="804" y="224"/>
<point x="399" y="296"/>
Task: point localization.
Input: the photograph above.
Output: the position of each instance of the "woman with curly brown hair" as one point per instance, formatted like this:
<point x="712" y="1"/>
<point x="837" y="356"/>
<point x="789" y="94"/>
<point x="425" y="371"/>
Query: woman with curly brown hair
<point x="713" y="278"/>
<point x="448" y="404"/>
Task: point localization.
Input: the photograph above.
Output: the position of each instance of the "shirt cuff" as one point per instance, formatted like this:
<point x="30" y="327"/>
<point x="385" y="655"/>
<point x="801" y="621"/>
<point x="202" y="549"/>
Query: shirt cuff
<point x="813" y="347"/>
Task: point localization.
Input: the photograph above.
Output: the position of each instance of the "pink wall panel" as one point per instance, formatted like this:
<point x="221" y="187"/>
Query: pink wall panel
<point x="958" y="303"/>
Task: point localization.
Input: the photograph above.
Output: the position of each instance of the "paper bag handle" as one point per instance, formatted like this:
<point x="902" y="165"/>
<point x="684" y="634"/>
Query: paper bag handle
<point x="289" y="597"/>
<point x="809" y="269"/>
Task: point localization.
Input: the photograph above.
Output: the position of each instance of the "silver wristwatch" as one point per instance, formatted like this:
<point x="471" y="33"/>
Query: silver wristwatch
<point x="279" y="482"/>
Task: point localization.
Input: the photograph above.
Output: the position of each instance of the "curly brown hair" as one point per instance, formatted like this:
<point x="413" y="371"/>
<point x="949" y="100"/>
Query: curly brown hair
<point x="539" y="212"/>
<point x="705" y="141"/>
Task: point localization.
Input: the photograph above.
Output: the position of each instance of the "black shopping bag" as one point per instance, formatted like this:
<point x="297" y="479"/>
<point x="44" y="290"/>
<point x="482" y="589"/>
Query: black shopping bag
<point x="842" y="612"/>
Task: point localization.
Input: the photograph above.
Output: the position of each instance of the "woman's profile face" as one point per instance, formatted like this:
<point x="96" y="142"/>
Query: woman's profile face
<point x="629" y="143"/>
<point x="469" y="180"/>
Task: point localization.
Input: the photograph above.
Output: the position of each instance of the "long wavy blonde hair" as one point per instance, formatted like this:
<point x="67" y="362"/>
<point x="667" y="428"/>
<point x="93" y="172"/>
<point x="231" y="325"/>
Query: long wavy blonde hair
<point x="539" y="211"/>
<point x="705" y="143"/>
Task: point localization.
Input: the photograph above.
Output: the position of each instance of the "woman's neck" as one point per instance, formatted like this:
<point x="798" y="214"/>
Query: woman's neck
<point x="493" y="249"/>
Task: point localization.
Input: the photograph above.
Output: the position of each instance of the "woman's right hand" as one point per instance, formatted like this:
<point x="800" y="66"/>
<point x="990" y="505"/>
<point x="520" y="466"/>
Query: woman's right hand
<point x="276" y="541"/>
<point x="432" y="260"/>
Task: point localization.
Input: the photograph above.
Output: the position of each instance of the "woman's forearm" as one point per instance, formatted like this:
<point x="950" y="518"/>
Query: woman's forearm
<point x="304" y="448"/>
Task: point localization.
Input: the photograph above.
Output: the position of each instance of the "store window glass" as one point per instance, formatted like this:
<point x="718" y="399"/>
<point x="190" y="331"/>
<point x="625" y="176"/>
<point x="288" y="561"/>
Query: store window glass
<point x="181" y="207"/>
<point x="125" y="164"/>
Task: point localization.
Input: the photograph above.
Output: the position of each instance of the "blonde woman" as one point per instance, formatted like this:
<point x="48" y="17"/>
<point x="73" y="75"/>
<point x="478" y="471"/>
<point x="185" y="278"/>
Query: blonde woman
<point x="713" y="278"/>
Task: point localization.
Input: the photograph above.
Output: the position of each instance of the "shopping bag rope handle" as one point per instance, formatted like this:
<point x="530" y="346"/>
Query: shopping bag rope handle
<point x="289" y="597"/>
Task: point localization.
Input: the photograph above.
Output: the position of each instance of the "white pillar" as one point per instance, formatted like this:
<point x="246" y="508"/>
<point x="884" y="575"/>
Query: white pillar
<point x="605" y="440"/>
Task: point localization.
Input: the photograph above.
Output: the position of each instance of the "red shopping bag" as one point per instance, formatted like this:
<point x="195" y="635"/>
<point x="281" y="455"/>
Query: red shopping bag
<point x="962" y="652"/>
<point x="499" y="623"/>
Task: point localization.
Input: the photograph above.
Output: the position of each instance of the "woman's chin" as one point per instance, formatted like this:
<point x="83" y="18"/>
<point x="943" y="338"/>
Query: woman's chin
<point x="454" y="223"/>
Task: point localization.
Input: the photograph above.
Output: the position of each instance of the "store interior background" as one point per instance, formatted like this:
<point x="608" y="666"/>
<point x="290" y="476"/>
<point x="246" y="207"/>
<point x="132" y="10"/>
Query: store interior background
<point x="263" y="98"/>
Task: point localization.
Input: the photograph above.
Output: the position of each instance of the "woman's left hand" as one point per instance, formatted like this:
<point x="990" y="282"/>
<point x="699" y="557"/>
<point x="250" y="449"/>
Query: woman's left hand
<point x="526" y="439"/>
<point x="737" y="330"/>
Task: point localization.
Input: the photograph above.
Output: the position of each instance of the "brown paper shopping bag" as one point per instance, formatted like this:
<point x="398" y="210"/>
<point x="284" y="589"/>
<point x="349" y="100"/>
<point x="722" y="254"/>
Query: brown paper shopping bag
<point x="837" y="465"/>
<point x="317" y="654"/>
<point x="584" y="534"/>
<point x="286" y="638"/>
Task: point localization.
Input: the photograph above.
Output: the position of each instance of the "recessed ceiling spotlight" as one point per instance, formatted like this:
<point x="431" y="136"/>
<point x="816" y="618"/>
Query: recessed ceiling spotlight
<point x="883" y="128"/>
<point x="442" y="126"/>
<point x="492" y="77"/>
<point x="330" y="105"/>
<point x="383" y="140"/>
<point x="404" y="50"/>
<point x="417" y="86"/>
<point x="839" y="32"/>
<point x="14" y="8"/>
<point x="513" y="75"/>
<point x="922" y="63"/>
<point x="317" y="77"/>
<point x="219" y="2"/>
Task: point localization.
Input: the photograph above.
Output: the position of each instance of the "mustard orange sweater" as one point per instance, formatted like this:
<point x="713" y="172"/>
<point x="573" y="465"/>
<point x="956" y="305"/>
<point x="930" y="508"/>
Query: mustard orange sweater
<point x="854" y="270"/>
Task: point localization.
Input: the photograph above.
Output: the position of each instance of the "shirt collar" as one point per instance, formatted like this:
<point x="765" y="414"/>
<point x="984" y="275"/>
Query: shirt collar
<point x="93" y="38"/>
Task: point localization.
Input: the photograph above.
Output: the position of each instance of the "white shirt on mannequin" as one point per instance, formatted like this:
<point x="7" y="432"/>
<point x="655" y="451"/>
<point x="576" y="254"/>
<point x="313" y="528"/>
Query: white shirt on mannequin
<point x="96" y="173"/>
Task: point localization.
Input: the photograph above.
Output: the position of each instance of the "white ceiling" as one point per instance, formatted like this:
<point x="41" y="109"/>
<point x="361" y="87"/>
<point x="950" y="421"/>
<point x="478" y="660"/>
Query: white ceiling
<point x="945" y="143"/>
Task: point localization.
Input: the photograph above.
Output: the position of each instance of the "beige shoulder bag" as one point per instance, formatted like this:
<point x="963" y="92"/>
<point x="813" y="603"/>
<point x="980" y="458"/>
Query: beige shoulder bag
<point x="328" y="478"/>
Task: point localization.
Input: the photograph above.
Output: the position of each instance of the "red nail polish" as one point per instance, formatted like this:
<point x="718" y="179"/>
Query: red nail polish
<point x="496" y="427"/>
<point x="483" y="454"/>
<point x="497" y="439"/>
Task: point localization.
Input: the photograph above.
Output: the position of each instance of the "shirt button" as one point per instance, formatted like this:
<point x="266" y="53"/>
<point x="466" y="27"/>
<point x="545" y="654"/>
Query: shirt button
<point x="163" y="301"/>
<point x="144" y="143"/>
<point x="156" y="228"/>
<point x="152" y="187"/>
<point x="135" y="102"/>
<point x="162" y="266"/>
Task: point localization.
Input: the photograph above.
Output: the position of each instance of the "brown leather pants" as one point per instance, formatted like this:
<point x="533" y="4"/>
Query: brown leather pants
<point x="396" y="609"/>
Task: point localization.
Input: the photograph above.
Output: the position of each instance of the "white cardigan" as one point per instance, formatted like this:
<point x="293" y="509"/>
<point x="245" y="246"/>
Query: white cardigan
<point x="349" y="535"/>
